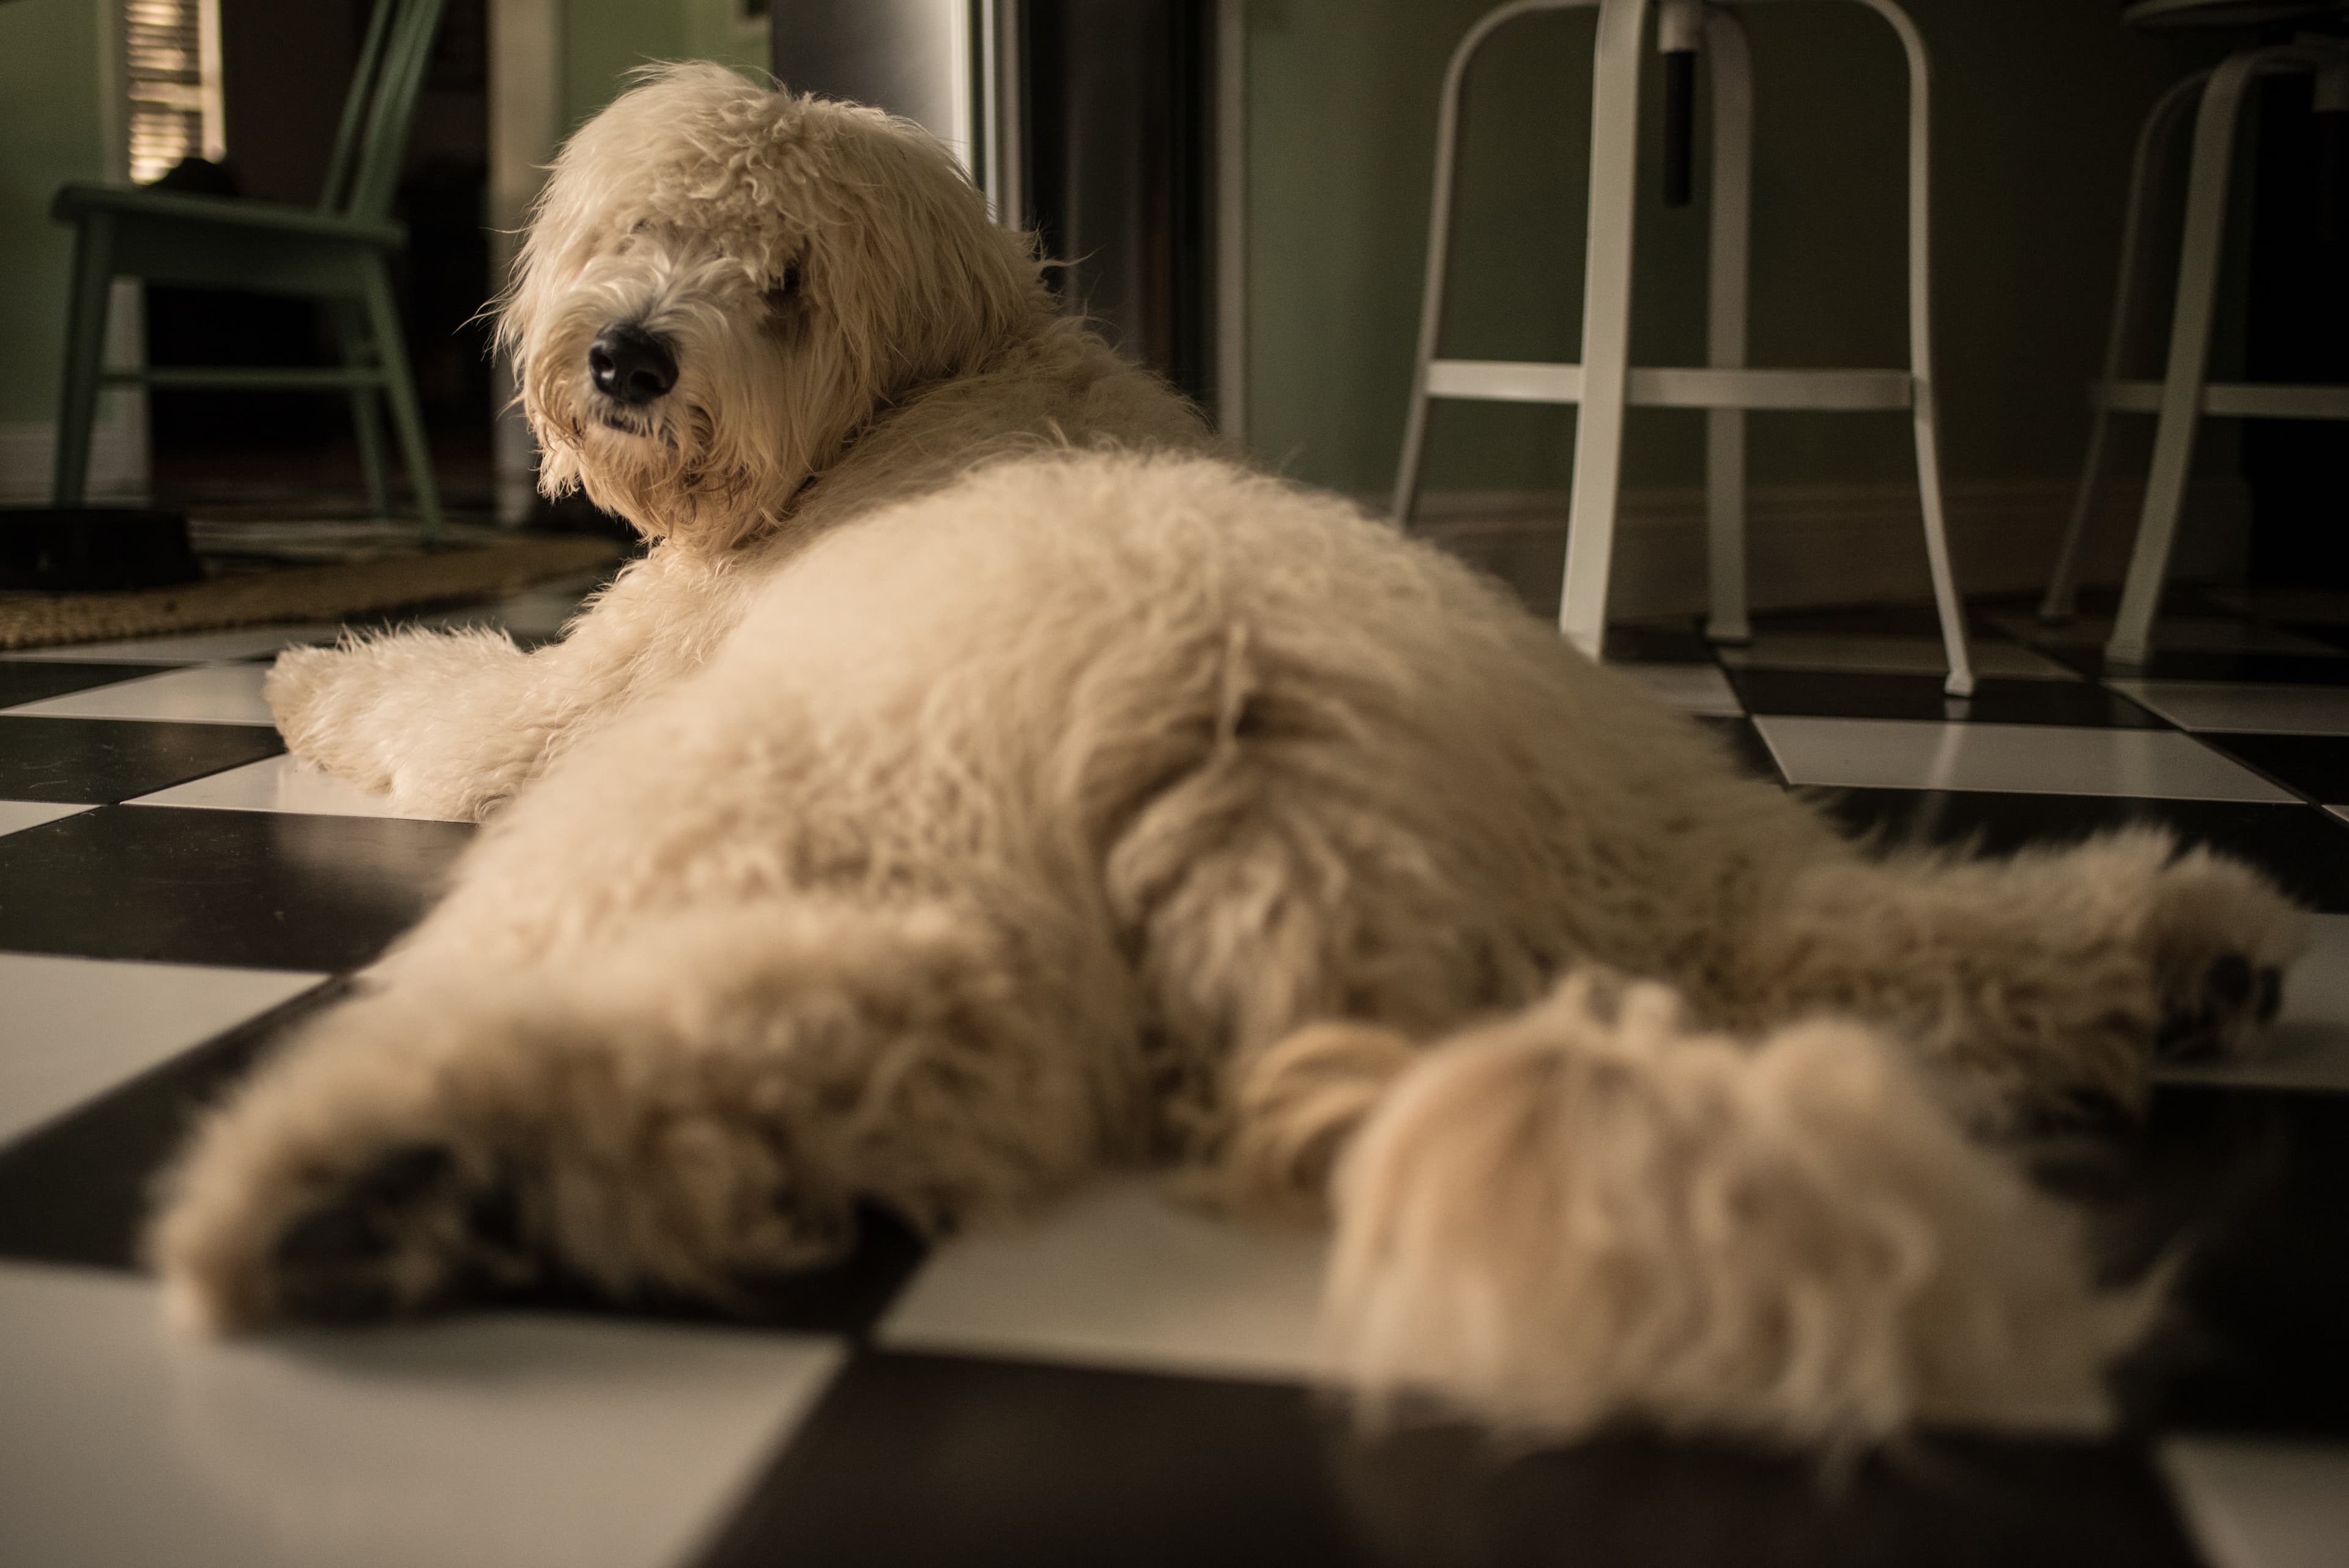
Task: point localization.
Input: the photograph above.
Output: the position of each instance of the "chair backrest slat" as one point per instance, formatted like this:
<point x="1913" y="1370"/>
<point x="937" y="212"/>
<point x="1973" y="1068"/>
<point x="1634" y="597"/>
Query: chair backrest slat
<point x="355" y="110"/>
<point x="381" y="107"/>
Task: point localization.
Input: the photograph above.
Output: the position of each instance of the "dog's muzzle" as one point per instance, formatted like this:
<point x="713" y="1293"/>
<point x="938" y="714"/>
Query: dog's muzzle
<point x="631" y="365"/>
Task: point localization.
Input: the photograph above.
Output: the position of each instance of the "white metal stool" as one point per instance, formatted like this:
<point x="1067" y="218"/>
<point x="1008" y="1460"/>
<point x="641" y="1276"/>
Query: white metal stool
<point x="2184" y="395"/>
<point x="1605" y="382"/>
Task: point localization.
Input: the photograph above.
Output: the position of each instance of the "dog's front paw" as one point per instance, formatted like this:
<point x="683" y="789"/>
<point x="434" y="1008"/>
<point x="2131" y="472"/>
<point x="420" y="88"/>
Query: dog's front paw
<point x="2222" y="938"/>
<point x="321" y="700"/>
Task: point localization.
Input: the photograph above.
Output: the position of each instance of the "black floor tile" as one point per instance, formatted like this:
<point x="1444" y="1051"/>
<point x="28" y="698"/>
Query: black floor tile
<point x="2315" y="765"/>
<point x="1638" y="643"/>
<point x="922" y="1459"/>
<point x="1853" y="694"/>
<point x="2305" y="849"/>
<point x="259" y="889"/>
<point x="2329" y="632"/>
<point x="1853" y="621"/>
<point x="2209" y="665"/>
<point x="2245" y="1194"/>
<point x="97" y="761"/>
<point x="30" y="680"/>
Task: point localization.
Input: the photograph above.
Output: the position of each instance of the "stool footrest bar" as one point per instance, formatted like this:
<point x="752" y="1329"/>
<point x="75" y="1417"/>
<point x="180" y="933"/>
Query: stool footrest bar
<point x="2233" y="399"/>
<point x="1689" y="387"/>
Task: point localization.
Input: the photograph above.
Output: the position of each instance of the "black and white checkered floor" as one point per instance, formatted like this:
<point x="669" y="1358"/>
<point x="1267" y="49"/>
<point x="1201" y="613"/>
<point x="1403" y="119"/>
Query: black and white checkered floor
<point x="1125" y="1382"/>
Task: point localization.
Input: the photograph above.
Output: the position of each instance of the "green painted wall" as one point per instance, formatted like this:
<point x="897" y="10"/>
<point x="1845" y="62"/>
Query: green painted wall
<point x="603" y="40"/>
<point x="50" y="132"/>
<point x="2036" y="106"/>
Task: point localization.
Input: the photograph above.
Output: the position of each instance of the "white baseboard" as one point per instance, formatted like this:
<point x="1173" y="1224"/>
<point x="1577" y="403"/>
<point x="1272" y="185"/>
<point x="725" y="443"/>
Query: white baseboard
<point x="117" y="460"/>
<point x="1832" y="544"/>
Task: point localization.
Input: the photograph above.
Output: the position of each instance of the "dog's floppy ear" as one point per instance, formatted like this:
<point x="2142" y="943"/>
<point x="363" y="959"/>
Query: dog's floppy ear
<point x="921" y="284"/>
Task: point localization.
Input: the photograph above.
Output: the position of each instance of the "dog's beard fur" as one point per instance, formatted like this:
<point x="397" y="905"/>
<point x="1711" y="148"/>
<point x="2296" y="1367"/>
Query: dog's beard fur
<point x="761" y="399"/>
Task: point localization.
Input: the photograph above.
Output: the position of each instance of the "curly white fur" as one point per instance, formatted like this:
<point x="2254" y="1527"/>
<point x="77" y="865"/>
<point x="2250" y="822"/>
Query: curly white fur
<point x="981" y="783"/>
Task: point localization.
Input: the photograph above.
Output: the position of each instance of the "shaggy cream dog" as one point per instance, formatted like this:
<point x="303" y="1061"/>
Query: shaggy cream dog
<point x="981" y="784"/>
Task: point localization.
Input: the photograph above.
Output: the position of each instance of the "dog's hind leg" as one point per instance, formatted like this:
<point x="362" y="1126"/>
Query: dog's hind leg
<point x="2031" y="980"/>
<point x="1591" y="1212"/>
<point x="697" y="1108"/>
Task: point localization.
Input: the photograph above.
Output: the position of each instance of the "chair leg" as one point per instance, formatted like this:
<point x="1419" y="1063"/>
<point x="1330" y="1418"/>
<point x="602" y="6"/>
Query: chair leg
<point x="366" y="420"/>
<point x="85" y="354"/>
<point x="366" y="405"/>
<point x="1606" y="324"/>
<point x="2215" y="125"/>
<point x="2062" y="587"/>
<point x="399" y="389"/>
<point x="1729" y="61"/>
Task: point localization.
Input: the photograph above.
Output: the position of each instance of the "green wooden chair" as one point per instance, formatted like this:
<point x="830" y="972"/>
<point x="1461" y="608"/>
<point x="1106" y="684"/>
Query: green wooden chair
<point x="338" y="253"/>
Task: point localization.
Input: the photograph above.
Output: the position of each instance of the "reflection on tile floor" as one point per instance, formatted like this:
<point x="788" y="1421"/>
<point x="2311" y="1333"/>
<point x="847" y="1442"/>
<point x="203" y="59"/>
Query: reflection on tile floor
<point x="200" y="694"/>
<point x="2239" y="708"/>
<point x="1122" y="1378"/>
<point x="1694" y="688"/>
<point x="275" y="784"/>
<point x="1871" y="754"/>
<point x="499" y="1440"/>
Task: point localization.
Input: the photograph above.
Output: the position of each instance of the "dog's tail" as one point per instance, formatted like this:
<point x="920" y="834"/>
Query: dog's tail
<point x="1589" y="1212"/>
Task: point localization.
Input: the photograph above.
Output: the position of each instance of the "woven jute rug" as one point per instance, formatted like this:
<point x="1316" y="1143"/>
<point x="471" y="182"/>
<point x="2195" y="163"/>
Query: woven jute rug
<point x="329" y="592"/>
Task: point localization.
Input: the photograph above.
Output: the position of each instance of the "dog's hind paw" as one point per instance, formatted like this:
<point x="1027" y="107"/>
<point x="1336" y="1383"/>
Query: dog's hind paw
<point x="1583" y="1215"/>
<point x="2223" y="939"/>
<point x="406" y="1226"/>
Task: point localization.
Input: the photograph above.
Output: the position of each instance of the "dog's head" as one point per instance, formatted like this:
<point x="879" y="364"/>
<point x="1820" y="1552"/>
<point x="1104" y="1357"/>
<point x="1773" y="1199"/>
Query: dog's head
<point x="721" y="283"/>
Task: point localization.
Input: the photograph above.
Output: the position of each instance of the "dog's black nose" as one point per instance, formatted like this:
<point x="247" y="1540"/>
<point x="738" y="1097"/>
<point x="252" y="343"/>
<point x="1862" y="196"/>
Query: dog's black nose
<point x="631" y="365"/>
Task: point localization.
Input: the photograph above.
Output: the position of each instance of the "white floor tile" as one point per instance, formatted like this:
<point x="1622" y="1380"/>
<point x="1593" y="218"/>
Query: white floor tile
<point x="1901" y="754"/>
<point x="2254" y="1503"/>
<point x="15" y="814"/>
<point x="202" y="694"/>
<point x="1121" y="1276"/>
<point x="1696" y="688"/>
<point x="275" y="784"/>
<point x="192" y="647"/>
<point x="2244" y="709"/>
<point x="507" y="1440"/>
<point x="2309" y="1046"/>
<point x="1888" y="655"/>
<point x="73" y="1028"/>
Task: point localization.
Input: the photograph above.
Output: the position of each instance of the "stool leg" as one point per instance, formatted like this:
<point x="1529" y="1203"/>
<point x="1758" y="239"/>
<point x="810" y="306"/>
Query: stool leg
<point x="1606" y="324"/>
<point x="1731" y="63"/>
<point x="85" y="354"/>
<point x="2062" y="586"/>
<point x="1952" y="610"/>
<point x="1439" y="250"/>
<point x="2190" y="355"/>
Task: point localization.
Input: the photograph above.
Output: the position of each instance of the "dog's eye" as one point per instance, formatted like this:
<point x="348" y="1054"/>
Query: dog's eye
<point x="786" y="291"/>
